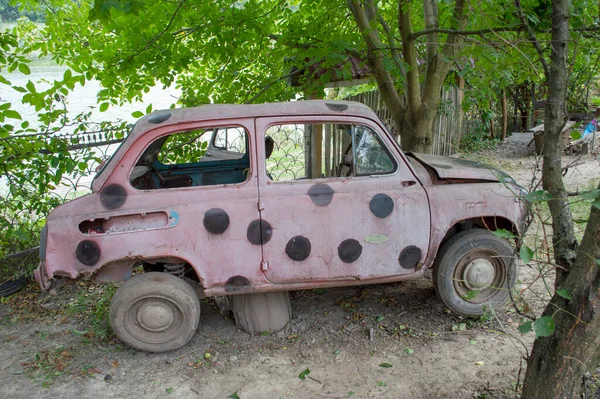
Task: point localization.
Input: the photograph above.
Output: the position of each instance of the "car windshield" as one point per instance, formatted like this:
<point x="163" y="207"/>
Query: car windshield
<point x="100" y="168"/>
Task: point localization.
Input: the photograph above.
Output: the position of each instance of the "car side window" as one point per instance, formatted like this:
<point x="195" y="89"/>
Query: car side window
<point x="313" y="151"/>
<point x="232" y="140"/>
<point x="186" y="159"/>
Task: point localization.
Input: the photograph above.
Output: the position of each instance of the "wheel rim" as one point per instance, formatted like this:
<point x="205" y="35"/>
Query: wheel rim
<point x="155" y="319"/>
<point x="482" y="271"/>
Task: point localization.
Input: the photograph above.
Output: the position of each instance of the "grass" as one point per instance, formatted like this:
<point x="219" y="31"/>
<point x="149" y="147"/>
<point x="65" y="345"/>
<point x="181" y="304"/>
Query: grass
<point x="92" y="306"/>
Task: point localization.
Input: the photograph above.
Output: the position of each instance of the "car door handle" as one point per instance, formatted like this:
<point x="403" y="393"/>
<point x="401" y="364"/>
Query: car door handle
<point x="408" y="183"/>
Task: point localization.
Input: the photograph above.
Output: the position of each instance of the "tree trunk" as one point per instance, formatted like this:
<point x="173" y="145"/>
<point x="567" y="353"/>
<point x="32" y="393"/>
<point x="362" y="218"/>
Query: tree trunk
<point x="557" y="363"/>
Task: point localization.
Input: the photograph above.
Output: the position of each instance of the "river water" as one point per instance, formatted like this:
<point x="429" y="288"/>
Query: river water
<point x="81" y="99"/>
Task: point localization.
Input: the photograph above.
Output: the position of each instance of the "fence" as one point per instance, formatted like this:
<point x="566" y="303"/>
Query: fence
<point x="447" y="125"/>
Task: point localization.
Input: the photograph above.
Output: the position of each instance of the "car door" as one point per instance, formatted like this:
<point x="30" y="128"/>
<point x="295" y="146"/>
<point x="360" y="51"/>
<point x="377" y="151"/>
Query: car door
<point x="210" y="204"/>
<point x="338" y="202"/>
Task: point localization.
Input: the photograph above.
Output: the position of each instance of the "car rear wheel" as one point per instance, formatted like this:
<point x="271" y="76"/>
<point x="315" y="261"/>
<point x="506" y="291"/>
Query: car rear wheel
<point x="155" y="312"/>
<point x="474" y="270"/>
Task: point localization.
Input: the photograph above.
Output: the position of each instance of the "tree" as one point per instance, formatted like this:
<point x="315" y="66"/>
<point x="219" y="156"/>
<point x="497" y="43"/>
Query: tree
<point x="559" y="360"/>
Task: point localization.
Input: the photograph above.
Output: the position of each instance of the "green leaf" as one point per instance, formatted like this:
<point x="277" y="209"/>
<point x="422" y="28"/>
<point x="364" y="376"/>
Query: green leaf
<point x="564" y="293"/>
<point x="596" y="203"/>
<point x="169" y="390"/>
<point x="149" y="109"/>
<point x="137" y="114"/>
<point x="590" y="195"/>
<point x="381" y="383"/>
<point x="4" y="81"/>
<point x="503" y="233"/>
<point x="525" y="327"/>
<point x="67" y="75"/>
<point x="408" y="351"/>
<point x="526" y="254"/>
<point x="538" y="196"/>
<point x="304" y="374"/>
<point x="385" y="365"/>
<point x="575" y="135"/>
<point x="9" y="113"/>
<point x="376" y="239"/>
<point x="103" y="107"/>
<point x="470" y="295"/>
<point x="234" y="396"/>
<point x="544" y="326"/>
<point x="24" y="69"/>
<point x="21" y="235"/>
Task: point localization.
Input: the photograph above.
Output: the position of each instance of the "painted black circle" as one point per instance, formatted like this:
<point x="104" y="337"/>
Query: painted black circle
<point x="320" y="194"/>
<point x="298" y="248"/>
<point x="216" y="221"/>
<point x="159" y="118"/>
<point x="235" y="283"/>
<point x="409" y="257"/>
<point x="259" y="232"/>
<point x="349" y="250"/>
<point x="88" y="252"/>
<point x="113" y="196"/>
<point x="381" y="205"/>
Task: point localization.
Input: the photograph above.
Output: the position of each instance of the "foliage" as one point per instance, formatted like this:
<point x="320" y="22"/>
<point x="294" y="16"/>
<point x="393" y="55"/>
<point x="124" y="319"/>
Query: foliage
<point x="35" y="155"/>
<point x="477" y="141"/>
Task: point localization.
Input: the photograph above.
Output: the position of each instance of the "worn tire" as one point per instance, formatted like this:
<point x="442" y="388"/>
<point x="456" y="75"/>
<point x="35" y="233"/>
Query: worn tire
<point x="261" y="313"/>
<point x="12" y="286"/>
<point x="155" y="312"/>
<point x="474" y="261"/>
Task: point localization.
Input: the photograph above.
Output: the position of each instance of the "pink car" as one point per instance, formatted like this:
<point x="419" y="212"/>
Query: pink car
<point x="240" y="200"/>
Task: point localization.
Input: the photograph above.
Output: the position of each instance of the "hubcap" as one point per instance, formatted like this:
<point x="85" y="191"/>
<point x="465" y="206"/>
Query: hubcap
<point x="155" y="316"/>
<point x="479" y="274"/>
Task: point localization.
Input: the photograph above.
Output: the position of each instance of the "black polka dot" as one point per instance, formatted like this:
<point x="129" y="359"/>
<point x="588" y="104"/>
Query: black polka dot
<point x="259" y="232"/>
<point x="349" y="250"/>
<point x="381" y="205"/>
<point x="320" y="194"/>
<point x="409" y="257"/>
<point x="113" y="196"/>
<point x="236" y="283"/>
<point x="88" y="253"/>
<point x="159" y="118"/>
<point x="216" y="221"/>
<point x="298" y="248"/>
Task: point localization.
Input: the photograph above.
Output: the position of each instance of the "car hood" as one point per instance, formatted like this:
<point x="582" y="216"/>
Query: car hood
<point x="447" y="168"/>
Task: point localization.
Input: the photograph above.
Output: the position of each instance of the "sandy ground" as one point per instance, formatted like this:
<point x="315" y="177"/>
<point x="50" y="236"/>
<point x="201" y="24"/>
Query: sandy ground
<point x="418" y="350"/>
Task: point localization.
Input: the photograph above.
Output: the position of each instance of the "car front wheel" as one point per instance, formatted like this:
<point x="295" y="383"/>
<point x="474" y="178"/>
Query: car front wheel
<point x="474" y="270"/>
<point x="155" y="312"/>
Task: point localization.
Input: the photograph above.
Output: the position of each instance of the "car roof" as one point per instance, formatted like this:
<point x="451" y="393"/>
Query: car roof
<point x="232" y="111"/>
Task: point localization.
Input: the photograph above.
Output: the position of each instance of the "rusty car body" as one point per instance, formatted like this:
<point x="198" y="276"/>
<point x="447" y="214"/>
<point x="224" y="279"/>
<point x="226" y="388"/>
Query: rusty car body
<point x="314" y="194"/>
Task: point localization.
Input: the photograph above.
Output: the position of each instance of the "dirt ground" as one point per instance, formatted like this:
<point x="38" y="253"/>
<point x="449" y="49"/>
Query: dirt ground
<point x="51" y="347"/>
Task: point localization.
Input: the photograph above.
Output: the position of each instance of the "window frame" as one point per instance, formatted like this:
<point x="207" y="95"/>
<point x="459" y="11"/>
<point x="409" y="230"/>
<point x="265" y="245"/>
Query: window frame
<point x="376" y="130"/>
<point x="185" y="129"/>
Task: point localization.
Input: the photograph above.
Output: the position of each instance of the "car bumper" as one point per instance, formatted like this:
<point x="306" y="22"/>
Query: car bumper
<point x="41" y="277"/>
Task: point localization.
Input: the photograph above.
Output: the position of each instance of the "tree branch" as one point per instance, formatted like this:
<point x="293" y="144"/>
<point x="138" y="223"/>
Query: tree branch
<point x="532" y="38"/>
